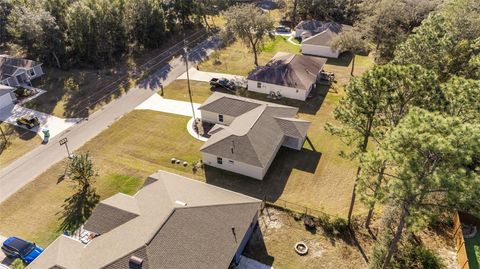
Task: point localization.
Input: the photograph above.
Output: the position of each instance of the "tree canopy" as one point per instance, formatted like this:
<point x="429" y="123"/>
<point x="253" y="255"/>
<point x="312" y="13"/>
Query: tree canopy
<point x="62" y="33"/>
<point x="448" y="41"/>
<point x="250" y="24"/>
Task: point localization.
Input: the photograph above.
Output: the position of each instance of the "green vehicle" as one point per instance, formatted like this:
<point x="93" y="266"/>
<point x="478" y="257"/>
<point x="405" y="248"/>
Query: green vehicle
<point x="29" y="121"/>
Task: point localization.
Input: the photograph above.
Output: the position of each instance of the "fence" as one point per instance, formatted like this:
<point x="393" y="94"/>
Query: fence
<point x="297" y="208"/>
<point x="459" y="218"/>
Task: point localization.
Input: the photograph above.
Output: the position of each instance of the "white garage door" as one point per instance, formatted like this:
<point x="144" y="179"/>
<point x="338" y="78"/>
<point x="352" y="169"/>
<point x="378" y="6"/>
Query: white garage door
<point x="5" y="100"/>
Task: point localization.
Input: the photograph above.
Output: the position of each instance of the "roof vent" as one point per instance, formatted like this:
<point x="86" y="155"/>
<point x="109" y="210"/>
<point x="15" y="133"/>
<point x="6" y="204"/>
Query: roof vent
<point x="135" y="262"/>
<point x="180" y="203"/>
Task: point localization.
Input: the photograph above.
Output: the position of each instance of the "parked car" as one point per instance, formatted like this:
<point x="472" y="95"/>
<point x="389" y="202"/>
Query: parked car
<point x="283" y="29"/>
<point x="15" y="247"/>
<point x="222" y="82"/>
<point x="29" y="121"/>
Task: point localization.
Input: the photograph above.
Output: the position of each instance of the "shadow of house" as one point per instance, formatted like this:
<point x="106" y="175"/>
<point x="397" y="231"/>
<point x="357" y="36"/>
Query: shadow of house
<point x="344" y="59"/>
<point x="256" y="248"/>
<point x="310" y="106"/>
<point x="274" y="182"/>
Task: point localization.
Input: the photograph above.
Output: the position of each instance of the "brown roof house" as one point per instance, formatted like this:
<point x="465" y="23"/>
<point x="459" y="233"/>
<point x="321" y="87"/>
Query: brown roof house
<point x="287" y="74"/>
<point x="248" y="133"/>
<point x="15" y="71"/>
<point x="317" y="37"/>
<point x="172" y="222"/>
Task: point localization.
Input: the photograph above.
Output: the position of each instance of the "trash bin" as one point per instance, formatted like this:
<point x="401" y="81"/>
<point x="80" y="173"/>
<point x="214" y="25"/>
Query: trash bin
<point x="46" y="135"/>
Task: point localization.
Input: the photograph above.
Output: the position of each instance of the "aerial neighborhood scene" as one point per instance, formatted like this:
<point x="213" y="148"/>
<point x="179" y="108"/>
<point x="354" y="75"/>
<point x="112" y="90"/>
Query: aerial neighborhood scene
<point x="240" y="134"/>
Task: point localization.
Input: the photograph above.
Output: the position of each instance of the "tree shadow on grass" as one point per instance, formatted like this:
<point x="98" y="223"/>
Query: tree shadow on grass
<point x="273" y="184"/>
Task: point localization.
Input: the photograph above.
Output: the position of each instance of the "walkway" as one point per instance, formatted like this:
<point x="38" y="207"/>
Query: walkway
<point x="54" y="124"/>
<point x="207" y="76"/>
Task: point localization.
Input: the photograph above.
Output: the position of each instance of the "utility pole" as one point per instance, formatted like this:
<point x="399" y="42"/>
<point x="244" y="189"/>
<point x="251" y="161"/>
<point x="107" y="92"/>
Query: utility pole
<point x="188" y="79"/>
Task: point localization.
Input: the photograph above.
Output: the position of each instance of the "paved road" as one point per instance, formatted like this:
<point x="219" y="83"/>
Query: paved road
<point x="28" y="167"/>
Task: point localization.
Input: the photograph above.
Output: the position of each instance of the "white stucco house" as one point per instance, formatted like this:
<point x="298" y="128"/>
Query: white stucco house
<point x="248" y="133"/>
<point x="16" y="71"/>
<point x="317" y="37"/>
<point x="7" y="97"/>
<point x="291" y="75"/>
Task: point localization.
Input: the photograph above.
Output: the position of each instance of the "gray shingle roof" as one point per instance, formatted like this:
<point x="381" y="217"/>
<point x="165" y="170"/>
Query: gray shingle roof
<point x="254" y="136"/>
<point x="106" y="217"/>
<point x="191" y="230"/>
<point x="314" y="27"/>
<point x="325" y="37"/>
<point x="291" y="70"/>
<point x="9" y="65"/>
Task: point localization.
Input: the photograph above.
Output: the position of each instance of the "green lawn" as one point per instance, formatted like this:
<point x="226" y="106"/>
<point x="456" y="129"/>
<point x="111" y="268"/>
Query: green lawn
<point x="178" y="90"/>
<point x="19" y="142"/>
<point x="473" y="251"/>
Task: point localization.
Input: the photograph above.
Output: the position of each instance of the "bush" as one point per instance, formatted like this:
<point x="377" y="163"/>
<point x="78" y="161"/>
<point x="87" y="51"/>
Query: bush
<point x="17" y="264"/>
<point x="413" y="256"/>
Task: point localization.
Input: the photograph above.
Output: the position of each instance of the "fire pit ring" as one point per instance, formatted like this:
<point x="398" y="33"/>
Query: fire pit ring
<point x="301" y="248"/>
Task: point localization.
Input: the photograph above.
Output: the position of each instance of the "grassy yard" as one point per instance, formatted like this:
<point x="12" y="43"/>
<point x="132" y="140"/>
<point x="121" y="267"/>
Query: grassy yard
<point x="274" y="242"/>
<point x="19" y="142"/>
<point x="178" y="90"/>
<point x="153" y="140"/>
<point x="238" y="59"/>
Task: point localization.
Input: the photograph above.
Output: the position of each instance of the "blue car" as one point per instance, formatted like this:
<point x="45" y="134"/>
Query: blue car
<point x="15" y="247"/>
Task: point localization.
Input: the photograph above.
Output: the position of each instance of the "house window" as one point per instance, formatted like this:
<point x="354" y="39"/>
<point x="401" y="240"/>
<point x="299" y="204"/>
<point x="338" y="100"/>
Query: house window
<point x="230" y="161"/>
<point x="220" y="118"/>
<point x="219" y="160"/>
<point x="259" y="84"/>
<point x="31" y="72"/>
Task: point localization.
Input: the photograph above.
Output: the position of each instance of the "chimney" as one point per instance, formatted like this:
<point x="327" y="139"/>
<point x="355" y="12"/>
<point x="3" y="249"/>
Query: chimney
<point x="135" y="262"/>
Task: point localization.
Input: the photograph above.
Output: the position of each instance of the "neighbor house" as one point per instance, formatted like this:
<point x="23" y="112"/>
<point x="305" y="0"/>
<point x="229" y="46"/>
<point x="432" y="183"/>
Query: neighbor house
<point x="317" y="37"/>
<point x="172" y="222"/>
<point x="248" y="133"/>
<point x="286" y="74"/>
<point x="16" y="72"/>
<point x="7" y="96"/>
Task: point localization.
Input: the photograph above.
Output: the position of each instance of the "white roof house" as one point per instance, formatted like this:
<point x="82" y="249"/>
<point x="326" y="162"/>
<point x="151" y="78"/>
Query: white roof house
<point x="248" y="133"/>
<point x="172" y="222"/>
<point x="317" y="37"/>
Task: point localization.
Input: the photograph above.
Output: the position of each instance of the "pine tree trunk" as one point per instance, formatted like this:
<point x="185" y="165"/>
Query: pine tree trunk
<point x="377" y="186"/>
<point x="359" y="169"/>
<point x="398" y="234"/>
<point x="353" y="64"/>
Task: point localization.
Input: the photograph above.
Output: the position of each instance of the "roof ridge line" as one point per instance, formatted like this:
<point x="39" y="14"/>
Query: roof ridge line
<point x="205" y="206"/>
<point x="214" y="186"/>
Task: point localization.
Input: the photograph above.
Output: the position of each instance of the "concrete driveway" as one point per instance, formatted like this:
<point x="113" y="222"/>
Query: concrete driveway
<point x="56" y="125"/>
<point x="158" y="103"/>
<point x="207" y="76"/>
